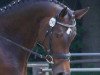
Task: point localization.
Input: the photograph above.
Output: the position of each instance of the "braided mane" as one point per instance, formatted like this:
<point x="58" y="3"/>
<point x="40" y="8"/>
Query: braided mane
<point x="19" y="3"/>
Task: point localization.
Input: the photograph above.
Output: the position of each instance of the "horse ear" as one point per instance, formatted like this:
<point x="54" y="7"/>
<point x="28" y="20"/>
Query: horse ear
<point x="63" y="12"/>
<point x="80" y="13"/>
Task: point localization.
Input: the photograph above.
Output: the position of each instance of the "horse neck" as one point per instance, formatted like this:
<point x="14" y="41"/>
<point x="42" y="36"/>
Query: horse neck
<point x="22" y="27"/>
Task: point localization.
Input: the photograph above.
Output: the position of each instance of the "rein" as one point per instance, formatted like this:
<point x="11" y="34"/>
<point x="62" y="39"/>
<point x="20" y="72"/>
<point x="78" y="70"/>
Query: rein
<point x="24" y="48"/>
<point x="47" y="57"/>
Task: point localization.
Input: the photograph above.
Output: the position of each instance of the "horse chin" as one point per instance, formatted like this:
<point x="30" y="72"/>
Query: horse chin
<point x="59" y="71"/>
<point x="63" y="73"/>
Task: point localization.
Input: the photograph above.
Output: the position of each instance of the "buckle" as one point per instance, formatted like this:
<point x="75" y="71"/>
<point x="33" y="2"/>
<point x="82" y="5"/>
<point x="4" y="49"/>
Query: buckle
<point x="49" y="59"/>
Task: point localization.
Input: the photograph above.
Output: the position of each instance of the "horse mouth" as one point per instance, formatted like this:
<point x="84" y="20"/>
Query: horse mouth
<point x="63" y="73"/>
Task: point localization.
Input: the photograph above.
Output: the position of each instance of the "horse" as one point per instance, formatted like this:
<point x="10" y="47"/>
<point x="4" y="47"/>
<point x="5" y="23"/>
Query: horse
<point x="25" y="22"/>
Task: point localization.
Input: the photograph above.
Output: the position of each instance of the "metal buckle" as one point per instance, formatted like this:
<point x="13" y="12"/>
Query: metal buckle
<point x="49" y="59"/>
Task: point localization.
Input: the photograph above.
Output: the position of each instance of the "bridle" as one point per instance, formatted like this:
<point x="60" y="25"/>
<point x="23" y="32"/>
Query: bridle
<point x="52" y="23"/>
<point x="65" y="56"/>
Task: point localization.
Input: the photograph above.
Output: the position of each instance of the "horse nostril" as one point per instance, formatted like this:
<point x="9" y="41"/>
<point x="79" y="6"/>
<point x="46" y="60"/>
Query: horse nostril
<point x="61" y="73"/>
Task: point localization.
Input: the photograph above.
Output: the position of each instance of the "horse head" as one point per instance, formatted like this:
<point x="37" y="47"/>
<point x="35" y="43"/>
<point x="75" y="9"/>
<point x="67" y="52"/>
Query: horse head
<point x="57" y="36"/>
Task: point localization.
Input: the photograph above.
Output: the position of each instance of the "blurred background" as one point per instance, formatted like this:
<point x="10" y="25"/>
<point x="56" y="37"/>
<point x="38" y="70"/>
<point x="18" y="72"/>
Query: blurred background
<point x="88" y="33"/>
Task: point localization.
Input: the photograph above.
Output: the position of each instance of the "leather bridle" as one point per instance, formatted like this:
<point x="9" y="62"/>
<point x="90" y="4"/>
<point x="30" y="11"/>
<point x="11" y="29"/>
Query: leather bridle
<point x="65" y="56"/>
